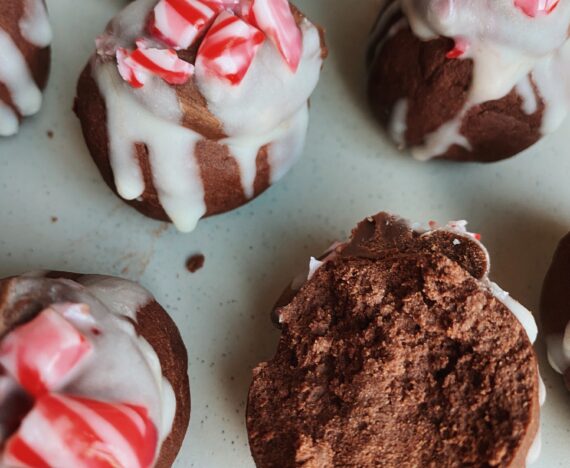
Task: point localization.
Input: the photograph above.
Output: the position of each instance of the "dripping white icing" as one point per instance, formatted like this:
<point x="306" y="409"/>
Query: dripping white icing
<point x="8" y="120"/>
<point x="16" y="76"/>
<point x="398" y="124"/>
<point x="268" y="108"/>
<point x="507" y="48"/>
<point x="14" y="71"/>
<point x="558" y="346"/>
<point x="34" y="24"/>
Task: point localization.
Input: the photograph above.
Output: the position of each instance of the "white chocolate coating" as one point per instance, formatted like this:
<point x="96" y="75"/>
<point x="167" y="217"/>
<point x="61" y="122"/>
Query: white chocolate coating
<point x="558" y="347"/>
<point x="509" y="50"/>
<point x="15" y="73"/>
<point x="269" y="107"/>
<point x="123" y="367"/>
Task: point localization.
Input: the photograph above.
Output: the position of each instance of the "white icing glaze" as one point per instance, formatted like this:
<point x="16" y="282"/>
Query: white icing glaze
<point x="268" y="108"/>
<point x="14" y="70"/>
<point x="507" y="48"/>
<point x="558" y="347"/>
<point x="34" y="24"/>
<point x="398" y="125"/>
<point x="123" y="367"/>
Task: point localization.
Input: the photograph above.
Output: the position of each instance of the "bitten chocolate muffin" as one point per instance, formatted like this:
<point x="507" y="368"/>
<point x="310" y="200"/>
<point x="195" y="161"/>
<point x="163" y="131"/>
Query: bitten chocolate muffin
<point x="93" y="372"/>
<point x="555" y="310"/>
<point x="25" y="35"/>
<point x="190" y="109"/>
<point x="469" y="81"/>
<point x="399" y="351"/>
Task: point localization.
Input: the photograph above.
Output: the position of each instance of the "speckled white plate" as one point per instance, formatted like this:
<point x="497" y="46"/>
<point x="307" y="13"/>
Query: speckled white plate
<point x="56" y="212"/>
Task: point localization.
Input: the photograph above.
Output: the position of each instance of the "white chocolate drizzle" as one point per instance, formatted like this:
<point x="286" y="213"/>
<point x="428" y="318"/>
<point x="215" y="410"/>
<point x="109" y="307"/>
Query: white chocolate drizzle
<point x="15" y="73"/>
<point x="267" y="109"/>
<point x="509" y="49"/>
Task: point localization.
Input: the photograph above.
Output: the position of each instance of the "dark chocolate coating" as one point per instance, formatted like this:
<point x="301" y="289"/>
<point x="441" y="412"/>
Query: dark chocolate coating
<point x="38" y="59"/>
<point x="396" y="353"/>
<point x="19" y="305"/>
<point x="436" y="89"/>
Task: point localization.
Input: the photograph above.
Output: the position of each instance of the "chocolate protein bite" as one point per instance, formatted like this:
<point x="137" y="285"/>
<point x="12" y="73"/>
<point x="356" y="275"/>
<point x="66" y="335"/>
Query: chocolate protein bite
<point x="398" y="350"/>
<point x="190" y="109"/>
<point x="25" y="36"/>
<point x="469" y="81"/>
<point x="555" y="310"/>
<point x="81" y="353"/>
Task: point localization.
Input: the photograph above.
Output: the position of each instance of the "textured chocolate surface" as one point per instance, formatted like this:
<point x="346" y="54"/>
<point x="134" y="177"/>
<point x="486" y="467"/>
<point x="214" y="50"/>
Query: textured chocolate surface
<point x="395" y="353"/>
<point x="38" y="59"/>
<point x="219" y="171"/>
<point x="19" y="305"/>
<point x="436" y="90"/>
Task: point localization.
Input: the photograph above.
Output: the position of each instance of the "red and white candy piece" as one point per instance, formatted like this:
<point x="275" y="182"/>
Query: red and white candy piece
<point x="535" y="8"/>
<point x="65" y="431"/>
<point x="179" y="23"/>
<point x="41" y="354"/>
<point x="138" y="66"/>
<point x="229" y="47"/>
<point x="459" y="49"/>
<point x="275" y="18"/>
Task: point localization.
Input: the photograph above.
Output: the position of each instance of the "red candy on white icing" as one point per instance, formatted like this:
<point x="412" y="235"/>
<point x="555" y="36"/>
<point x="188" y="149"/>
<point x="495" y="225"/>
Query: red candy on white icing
<point x="136" y="67"/>
<point x="275" y="18"/>
<point x="179" y="23"/>
<point x="42" y="353"/>
<point x="459" y="49"/>
<point x="66" y="431"/>
<point x="229" y="47"/>
<point x="534" y="8"/>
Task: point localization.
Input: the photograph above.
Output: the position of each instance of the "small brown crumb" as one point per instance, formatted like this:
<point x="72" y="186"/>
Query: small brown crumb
<point x="49" y="134"/>
<point x="54" y="219"/>
<point x="195" y="262"/>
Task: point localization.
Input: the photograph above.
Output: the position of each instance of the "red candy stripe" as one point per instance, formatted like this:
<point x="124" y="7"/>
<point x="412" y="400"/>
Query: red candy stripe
<point x="179" y="23"/>
<point x="229" y="47"/>
<point x="535" y="8"/>
<point x="136" y="67"/>
<point x="275" y="18"/>
<point x="42" y="353"/>
<point x="72" y="431"/>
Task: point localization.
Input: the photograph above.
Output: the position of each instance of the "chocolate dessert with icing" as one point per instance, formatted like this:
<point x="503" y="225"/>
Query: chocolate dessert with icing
<point x="193" y="107"/>
<point x="555" y="310"/>
<point x="93" y="373"/>
<point x="470" y="80"/>
<point x="397" y="350"/>
<point x="25" y="36"/>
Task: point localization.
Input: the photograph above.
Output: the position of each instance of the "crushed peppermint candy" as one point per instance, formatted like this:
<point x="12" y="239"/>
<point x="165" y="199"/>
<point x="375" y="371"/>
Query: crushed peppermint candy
<point x="535" y="8"/>
<point x="229" y="47"/>
<point x="179" y="24"/>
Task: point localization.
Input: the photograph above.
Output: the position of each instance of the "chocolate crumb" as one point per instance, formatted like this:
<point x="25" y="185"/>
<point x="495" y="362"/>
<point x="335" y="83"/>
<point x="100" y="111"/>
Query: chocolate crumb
<point x="54" y="219"/>
<point x="49" y="134"/>
<point x="195" y="262"/>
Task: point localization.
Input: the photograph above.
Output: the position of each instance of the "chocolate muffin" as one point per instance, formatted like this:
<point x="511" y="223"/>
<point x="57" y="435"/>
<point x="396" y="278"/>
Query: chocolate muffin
<point x="475" y="81"/>
<point x="399" y="351"/>
<point x="25" y="35"/>
<point x="192" y="112"/>
<point x="555" y="310"/>
<point x="81" y="353"/>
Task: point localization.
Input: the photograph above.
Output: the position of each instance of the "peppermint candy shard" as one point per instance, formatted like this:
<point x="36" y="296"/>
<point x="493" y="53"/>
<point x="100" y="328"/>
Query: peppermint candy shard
<point x="534" y="8"/>
<point x="178" y="23"/>
<point x="41" y="354"/>
<point x="276" y="20"/>
<point x="229" y="48"/>
<point x="459" y="49"/>
<point x="138" y="66"/>
<point x="73" y="431"/>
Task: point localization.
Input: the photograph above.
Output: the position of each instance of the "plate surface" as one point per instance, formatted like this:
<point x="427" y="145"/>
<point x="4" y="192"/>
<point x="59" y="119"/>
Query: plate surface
<point x="56" y="213"/>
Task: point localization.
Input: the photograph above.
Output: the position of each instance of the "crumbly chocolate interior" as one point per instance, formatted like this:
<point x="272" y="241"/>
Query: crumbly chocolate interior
<point x="394" y="354"/>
